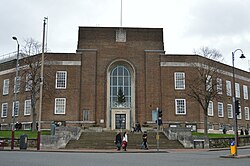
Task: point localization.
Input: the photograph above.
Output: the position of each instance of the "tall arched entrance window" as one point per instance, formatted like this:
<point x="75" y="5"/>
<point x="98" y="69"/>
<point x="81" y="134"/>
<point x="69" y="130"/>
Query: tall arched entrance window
<point x="120" y="103"/>
<point x="120" y="87"/>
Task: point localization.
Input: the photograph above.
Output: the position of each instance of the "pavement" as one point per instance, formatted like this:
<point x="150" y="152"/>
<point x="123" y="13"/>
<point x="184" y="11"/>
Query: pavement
<point x="132" y="151"/>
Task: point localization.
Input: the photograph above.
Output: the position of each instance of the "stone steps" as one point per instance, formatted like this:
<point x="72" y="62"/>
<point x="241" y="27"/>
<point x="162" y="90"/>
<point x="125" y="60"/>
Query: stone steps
<point x="105" y="140"/>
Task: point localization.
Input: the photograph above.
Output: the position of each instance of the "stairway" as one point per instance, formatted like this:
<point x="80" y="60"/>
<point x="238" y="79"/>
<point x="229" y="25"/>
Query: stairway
<point x="105" y="140"/>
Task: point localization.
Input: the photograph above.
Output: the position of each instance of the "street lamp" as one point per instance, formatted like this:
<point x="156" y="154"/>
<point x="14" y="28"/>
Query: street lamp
<point x="234" y="99"/>
<point x="41" y="89"/>
<point x="15" y="94"/>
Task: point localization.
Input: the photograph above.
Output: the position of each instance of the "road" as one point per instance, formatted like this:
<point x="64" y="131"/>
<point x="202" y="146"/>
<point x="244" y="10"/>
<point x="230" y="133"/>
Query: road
<point x="185" y="158"/>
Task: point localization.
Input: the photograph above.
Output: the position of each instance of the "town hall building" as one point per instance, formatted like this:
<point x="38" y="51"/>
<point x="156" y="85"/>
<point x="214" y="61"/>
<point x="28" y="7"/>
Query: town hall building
<point x="84" y="86"/>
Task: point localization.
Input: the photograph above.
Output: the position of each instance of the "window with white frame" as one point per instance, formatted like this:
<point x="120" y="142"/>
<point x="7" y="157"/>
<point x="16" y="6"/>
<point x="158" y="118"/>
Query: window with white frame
<point x="60" y="105"/>
<point x="240" y="114"/>
<point x="61" y="79"/>
<point x="220" y="109"/>
<point x="179" y="80"/>
<point x="229" y="111"/>
<point x="29" y="82"/>
<point x="6" y="84"/>
<point x="210" y="111"/>
<point x="219" y="85"/>
<point x="4" y="110"/>
<point x="15" y="108"/>
<point x="27" y="107"/>
<point x="237" y="90"/>
<point x="247" y="113"/>
<point x="245" y="92"/>
<point x="180" y="106"/>
<point x="228" y="88"/>
<point x="209" y="83"/>
<point x="17" y="84"/>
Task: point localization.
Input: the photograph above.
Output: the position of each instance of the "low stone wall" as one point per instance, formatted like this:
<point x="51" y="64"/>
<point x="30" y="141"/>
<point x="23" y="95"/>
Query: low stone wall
<point x="62" y="136"/>
<point x="226" y="142"/>
<point x="183" y="135"/>
<point x="32" y="143"/>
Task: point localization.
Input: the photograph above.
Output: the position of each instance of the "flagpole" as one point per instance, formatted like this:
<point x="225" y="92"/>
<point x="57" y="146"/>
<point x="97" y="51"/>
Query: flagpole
<point x="121" y="15"/>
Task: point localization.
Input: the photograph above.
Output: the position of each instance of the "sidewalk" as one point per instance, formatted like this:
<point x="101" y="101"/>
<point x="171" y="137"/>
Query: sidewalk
<point x="132" y="151"/>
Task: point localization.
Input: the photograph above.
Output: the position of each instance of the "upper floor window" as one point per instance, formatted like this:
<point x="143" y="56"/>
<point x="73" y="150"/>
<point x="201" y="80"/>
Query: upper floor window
<point x="230" y="111"/>
<point x="220" y="109"/>
<point x="247" y="113"/>
<point x="228" y="88"/>
<point x="245" y="92"/>
<point x="61" y="79"/>
<point x="6" y="84"/>
<point x="219" y="85"/>
<point x="180" y="106"/>
<point x="209" y="83"/>
<point x="17" y="84"/>
<point x="15" y="108"/>
<point x="237" y="90"/>
<point x="179" y="80"/>
<point x="27" y="107"/>
<point x="210" y="111"/>
<point x="4" y="110"/>
<point x="29" y="82"/>
<point x="60" y="105"/>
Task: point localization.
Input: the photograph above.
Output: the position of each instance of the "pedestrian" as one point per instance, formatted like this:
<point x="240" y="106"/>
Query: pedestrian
<point x="145" y="140"/>
<point x="246" y="131"/>
<point x="224" y="130"/>
<point x="125" y="141"/>
<point x="118" y="140"/>
<point x="241" y="132"/>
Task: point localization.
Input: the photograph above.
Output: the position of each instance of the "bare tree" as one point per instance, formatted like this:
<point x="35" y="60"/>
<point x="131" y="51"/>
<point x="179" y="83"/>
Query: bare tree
<point x="31" y="71"/>
<point x="206" y="84"/>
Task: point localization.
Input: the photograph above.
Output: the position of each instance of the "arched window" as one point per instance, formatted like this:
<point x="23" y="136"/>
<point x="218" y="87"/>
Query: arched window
<point x="120" y="79"/>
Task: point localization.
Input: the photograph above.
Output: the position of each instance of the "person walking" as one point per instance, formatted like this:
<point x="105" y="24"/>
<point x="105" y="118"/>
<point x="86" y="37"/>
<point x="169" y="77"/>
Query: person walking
<point x="125" y="141"/>
<point x="118" y="140"/>
<point x="145" y="140"/>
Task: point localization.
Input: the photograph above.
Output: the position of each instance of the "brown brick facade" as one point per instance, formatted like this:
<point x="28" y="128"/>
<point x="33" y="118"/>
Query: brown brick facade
<point x="99" y="51"/>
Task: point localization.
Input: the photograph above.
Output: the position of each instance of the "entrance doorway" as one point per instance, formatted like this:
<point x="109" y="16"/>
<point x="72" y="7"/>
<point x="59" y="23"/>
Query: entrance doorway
<point x="120" y="121"/>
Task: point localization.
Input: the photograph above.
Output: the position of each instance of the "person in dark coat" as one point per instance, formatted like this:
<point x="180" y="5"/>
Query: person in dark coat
<point x="145" y="140"/>
<point x="118" y="140"/>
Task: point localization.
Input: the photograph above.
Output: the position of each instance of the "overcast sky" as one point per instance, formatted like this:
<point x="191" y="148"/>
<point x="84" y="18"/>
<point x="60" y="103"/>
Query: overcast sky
<point x="188" y="24"/>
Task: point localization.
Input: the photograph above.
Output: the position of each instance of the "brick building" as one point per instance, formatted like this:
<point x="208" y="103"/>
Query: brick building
<point x="84" y="86"/>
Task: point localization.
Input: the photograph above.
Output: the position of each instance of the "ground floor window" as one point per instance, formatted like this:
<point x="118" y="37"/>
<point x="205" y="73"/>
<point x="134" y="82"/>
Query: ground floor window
<point x="180" y="106"/>
<point x="60" y="105"/>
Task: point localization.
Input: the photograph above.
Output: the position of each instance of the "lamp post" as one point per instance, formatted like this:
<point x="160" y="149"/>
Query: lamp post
<point x="15" y="94"/>
<point x="41" y="89"/>
<point x="234" y="99"/>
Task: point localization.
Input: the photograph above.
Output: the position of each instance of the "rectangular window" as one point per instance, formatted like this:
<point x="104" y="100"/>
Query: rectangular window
<point x="245" y="92"/>
<point x="220" y="109"/>
<point x="209" y="83"/>
<point x="210" y="109"/>
<point x="6" y="84"/>
<point x="27" y="107"/>
<point x="247" y="113"/>
<point x="85" y="115"/>
<point x="230" y="111"/>
<point x="180" y="106"/>
<point x="16" y="108"/>
<point x="179" y="80"/>
<point x="17" y="84"/>
<point x="29" y="82"/>
<point x="228" y="88"/>
<point x="4" y="110"/>
<point x="237" y="90"/>
<point x="219" y="85"/>
<point x="61" y="79"/>
<point x="60" y="105"/>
